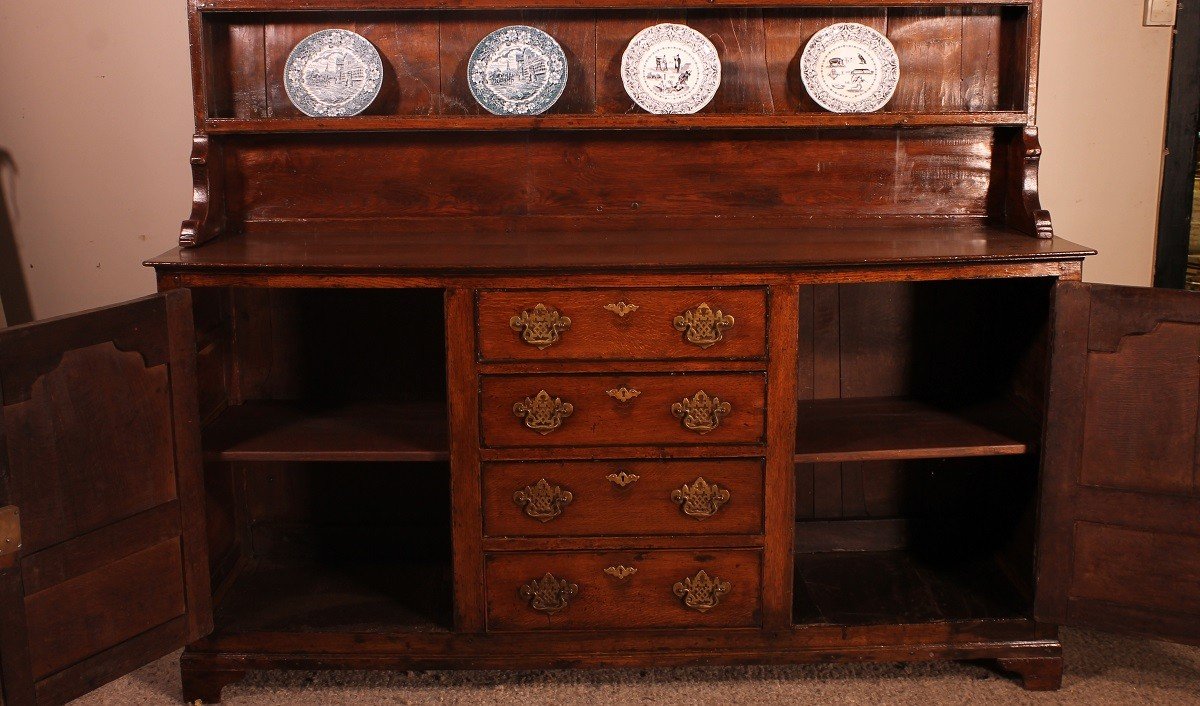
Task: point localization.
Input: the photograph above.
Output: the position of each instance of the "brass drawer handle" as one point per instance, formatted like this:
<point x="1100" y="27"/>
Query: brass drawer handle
<point x="701" y="413"/>
<point x="541" y="326"/>
<point x="623" y="394"/>
<point x="542" y="501"/>
<point x="548" y="594"/>
<point x="700" y="500"/>
<point x="702" y="326"/>
<point x="701" y="593"/>
<point x="621" y="573"/>
<point x="622" y="479"/>
<point x="543" y="413"/>
<point x="622" y="309"/>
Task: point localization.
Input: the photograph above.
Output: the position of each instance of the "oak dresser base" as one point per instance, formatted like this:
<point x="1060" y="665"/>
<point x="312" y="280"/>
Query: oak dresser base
<point x="1030" y="653"/>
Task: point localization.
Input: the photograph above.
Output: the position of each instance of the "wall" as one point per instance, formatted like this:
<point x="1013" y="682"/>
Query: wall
<point x="1102" y="117"/>
<point x="95" y="111"/>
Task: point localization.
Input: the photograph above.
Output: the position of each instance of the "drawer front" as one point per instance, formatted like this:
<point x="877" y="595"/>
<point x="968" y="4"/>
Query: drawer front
<point x="624" y="590"/>
<point x="623" y="498"/>
<point x="623" y="410"/>
<point x="623" y="324"/>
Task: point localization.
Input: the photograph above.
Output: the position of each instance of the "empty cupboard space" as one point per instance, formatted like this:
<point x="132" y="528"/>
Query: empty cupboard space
<point x="313" y="547"/>
<point x="322" y="375"/>
<point x="922" y="370"/>
<point x="915" y="541"/>
<point x="916" y="467"/>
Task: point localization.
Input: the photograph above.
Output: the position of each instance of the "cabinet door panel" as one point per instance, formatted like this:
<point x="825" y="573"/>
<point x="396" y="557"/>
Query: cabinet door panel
<point x="99" y="441"/>
<point x="1120" y="523"/>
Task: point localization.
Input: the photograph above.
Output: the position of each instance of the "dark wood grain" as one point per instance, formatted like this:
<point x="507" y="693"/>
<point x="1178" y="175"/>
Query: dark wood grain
<point x="102" y="457"/>
<point x="1117" y="531"/>
<point x="65" y="425"/>
<point x="463" y="395"/>
<point x="74" y="619"/>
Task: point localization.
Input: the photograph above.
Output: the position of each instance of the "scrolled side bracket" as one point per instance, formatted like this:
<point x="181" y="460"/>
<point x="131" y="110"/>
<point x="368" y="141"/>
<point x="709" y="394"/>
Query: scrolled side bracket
<point x="1023" y="206"/>
<point x="208" y="195"/>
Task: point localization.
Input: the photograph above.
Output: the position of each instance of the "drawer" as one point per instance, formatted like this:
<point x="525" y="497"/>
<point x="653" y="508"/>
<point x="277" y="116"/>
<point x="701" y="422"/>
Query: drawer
<point x="623" y="589"/>
<point x="623" y="498"/>
<point x="623" y="410"/>
<point x="623" y="324"/>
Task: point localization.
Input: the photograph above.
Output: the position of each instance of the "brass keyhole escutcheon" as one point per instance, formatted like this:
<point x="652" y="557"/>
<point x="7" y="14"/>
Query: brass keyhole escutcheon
<point x="621" y="572"/>
<point x="623" y="394"/>
<point x="621" y="308"/>
<point x="621" y="479"/>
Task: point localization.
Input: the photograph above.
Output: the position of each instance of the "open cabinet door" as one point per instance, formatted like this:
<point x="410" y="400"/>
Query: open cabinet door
<point x="103" y="561"/>
<point x="1119" y="541"/>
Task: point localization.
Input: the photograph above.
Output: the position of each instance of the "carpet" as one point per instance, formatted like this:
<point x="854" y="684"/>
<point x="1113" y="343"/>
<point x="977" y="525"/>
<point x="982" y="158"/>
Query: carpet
<point x="1100" y="669"/>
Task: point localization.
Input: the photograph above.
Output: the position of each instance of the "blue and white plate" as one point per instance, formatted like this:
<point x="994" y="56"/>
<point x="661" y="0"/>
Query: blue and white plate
<point x="334" y="73"/>
<point x="517" y="70"/>
<point x="850" y="68"/>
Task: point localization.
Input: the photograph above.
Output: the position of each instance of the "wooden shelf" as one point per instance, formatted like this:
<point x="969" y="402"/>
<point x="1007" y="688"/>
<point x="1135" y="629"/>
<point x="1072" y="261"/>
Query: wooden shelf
<point x="877" y="588"/>
<point x="319" y="596"/>
<point x="876" y="429"/>
<point x="395" y="5"/>
<point x="631" y="121"/>
<point x="283" y="431"/>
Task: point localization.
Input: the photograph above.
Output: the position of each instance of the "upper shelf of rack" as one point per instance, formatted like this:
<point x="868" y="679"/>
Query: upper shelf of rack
<point x="360" y="5"/>
<point x="636" y="121"/>
<point x="955" y="142"/>
<point x="962" y="64"/>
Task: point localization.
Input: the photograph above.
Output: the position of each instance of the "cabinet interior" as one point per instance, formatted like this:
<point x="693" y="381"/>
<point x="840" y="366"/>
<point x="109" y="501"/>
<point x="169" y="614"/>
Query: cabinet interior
<point x="918" y="433"/>
<point x="919" y="417"/>
<point x="326" y="460"/>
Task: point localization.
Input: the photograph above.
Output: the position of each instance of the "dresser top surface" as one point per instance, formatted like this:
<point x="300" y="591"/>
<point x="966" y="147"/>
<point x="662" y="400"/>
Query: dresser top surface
<point x="488" y="252"/>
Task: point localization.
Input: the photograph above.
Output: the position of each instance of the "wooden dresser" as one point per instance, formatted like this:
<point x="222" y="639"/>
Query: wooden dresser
<point x="432" y="388"/>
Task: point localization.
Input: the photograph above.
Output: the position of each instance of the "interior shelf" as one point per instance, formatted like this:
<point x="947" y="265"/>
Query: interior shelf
<point x="868" y="588"/>
<point x="874" y="429"/>
<point x="612" y="122"/>
<point x="360" y="431"/>
<point x="320" y="596"/>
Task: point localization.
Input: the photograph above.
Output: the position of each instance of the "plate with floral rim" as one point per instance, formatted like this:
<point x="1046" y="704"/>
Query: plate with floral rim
<point x="850" y="68"/>
<point x="671" y="69"/>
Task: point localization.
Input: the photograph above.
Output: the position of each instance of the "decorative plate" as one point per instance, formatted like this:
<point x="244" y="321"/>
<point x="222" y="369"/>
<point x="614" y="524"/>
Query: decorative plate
<point x="517" y="70"/>
<point x="333" y="73"/>
<point x="850" y="68"/>
<point x="671" y="69"/>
